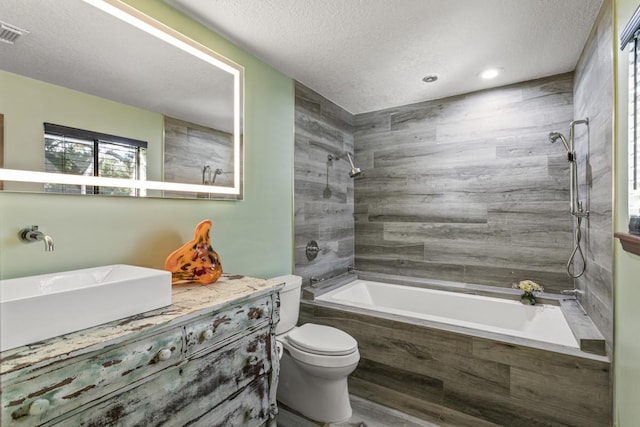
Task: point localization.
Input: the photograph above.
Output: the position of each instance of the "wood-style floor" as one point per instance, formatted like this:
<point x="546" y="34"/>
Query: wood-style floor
<point x="365" y="414"/>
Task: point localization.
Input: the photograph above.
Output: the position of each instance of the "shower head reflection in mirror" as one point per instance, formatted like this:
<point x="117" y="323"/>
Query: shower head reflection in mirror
<point x="207" y="172"/>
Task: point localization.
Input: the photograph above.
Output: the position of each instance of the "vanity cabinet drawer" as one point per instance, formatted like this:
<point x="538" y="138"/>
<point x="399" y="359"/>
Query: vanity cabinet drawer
<point x="249" y="408"/>
<point x="209" y="331"/>
<point x="38" y="398"/>
<point x="185" y="393"/>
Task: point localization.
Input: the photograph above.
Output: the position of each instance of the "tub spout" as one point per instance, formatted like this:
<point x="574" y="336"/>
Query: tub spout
<point x="315" y="280"/>
<point x="572" y="292"/>
<point x="48" y="243"/>
<point x="32" y="234"/>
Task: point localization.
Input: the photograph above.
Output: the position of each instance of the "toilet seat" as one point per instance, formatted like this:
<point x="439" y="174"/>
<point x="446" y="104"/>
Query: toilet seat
<point x="321" y="346"/>
<point x="323" y="340"/>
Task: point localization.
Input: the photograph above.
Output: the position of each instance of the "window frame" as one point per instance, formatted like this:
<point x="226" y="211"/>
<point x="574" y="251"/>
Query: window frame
<point x="630" y="38"/>
<point x="99" y="138"/>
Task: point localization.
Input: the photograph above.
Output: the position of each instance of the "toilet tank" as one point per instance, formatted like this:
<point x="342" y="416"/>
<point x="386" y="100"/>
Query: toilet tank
<point x="289" y="302"/>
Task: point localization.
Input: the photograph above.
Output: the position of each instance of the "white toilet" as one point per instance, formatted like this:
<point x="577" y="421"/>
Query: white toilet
<point x="316" y="362"/>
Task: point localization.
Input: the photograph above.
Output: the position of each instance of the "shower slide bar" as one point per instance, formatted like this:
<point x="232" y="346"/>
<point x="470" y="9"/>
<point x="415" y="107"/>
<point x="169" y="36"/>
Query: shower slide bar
<point x="575" y="205"/>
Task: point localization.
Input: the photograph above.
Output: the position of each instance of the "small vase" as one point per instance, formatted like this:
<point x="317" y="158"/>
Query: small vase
<point x="527" y="298"/>
<point x="195" y="261"/>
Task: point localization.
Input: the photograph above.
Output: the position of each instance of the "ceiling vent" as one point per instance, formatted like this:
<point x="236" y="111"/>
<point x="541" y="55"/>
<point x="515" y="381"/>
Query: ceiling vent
<point x="9" y="33"/>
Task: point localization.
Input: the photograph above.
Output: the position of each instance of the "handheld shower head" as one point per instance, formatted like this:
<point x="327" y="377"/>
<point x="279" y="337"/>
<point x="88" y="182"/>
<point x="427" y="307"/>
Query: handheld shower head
<point x="554" y="136"/>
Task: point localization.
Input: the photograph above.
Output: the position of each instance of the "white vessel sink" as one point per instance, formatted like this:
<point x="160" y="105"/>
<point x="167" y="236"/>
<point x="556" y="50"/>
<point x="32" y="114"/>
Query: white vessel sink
<point x="35" y="308"/>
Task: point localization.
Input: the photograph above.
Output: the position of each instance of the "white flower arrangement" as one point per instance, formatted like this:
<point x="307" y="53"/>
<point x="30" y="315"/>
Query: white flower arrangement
<point x="529" y="286"/>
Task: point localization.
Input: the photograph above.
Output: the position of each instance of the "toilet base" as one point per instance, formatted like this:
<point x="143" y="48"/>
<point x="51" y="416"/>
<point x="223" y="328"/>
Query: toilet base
<point x="320" y="394"/>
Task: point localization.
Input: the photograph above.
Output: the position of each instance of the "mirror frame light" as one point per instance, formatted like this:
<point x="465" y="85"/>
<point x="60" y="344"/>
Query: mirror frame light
<point x="157" y="29"/>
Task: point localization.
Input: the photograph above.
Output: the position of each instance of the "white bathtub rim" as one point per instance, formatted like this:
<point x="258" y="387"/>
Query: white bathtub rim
<point x="542" y="322"/>
<point x="449" y="286"/>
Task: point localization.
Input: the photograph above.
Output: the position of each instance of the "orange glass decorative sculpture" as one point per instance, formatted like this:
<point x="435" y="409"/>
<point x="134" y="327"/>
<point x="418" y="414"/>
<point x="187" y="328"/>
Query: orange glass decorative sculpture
<point x="195" y="261"/>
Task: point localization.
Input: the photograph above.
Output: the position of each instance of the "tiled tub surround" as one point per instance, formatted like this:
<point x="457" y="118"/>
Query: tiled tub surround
<point x="467" y="188"/>
<point x="593" y="98"/>
<point x="209" y="358"/>
<point x="459" y="376"/>
<point x="323" y="205"/>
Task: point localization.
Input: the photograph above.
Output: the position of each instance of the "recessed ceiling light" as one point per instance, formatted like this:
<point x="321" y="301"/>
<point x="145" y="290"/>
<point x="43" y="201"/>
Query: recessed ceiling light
<point x="430" y="78"/>
<point x="490" y="73"/>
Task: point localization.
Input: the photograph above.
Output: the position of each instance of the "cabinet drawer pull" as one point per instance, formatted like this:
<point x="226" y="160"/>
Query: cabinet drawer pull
<point x="251" y="414"/>
<point x="273" y="411"/>
<point x="252" y="360"/>
<point x="38" y="407"/>
<point x="163" y="354"/>
<point x="206" y="335"/>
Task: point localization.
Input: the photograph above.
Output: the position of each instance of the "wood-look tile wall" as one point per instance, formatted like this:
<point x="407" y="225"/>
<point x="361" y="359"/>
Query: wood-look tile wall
<point x="459" y="380"/>
<point x="593" y="98"/>
<point x="323" y="190"/>
<point x="468" y="188"/>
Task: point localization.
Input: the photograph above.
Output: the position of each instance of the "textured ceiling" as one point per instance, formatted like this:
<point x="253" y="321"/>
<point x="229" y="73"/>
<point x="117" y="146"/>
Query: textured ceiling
<point x="366" y="55"/>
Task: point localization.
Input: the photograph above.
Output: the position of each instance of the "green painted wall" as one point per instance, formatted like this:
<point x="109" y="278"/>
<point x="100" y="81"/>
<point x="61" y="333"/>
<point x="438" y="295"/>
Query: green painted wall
<point x="626" y="266"/>
<point x="253" y="236"/>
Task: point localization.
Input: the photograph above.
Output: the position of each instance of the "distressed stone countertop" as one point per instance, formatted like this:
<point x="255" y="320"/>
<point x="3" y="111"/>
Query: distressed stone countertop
<point x="188" y="301"/>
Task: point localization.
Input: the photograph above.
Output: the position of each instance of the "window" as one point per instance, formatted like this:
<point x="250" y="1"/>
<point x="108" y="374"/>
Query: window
<point x="630" y="38"/>
<point x="634" y="125"/>
<point x="82" y="152"/>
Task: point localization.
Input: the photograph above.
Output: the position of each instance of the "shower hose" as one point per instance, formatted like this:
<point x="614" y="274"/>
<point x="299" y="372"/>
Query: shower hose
<point x="577" y="250"/>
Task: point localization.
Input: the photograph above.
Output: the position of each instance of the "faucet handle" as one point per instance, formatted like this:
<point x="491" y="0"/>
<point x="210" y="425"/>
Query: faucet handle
<point x="25" y="233"/>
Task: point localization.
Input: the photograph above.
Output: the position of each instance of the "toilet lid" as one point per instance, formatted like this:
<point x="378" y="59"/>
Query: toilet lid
<point x="320" y="339"/>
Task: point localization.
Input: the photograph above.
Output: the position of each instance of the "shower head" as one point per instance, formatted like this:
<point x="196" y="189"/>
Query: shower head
<point x="554" y="136"/>
<point x="354" y="170"/>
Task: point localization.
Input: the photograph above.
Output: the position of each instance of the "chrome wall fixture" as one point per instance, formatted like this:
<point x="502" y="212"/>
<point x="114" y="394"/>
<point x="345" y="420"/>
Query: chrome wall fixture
<point x="312" y="250"/>
<point x="576" y="207"/>
<point x="206" y="175"/>
<point x="32" y="234"/>
<point x="354" y="172"/>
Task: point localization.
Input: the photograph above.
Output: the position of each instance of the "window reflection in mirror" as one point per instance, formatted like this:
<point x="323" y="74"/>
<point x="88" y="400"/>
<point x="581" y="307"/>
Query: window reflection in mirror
<point x="88" y="153"/>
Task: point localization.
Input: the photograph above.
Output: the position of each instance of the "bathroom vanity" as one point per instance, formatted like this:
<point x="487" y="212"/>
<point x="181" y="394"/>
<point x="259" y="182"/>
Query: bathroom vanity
<point x="208" y="359"/>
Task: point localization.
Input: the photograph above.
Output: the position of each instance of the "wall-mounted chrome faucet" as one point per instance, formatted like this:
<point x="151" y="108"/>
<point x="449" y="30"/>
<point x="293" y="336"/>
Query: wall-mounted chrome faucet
<point x="32" y="234"/>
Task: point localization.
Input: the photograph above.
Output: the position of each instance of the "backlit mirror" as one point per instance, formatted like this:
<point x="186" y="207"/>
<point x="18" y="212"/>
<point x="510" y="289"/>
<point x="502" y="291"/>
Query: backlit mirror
<point x="98" y="98"/>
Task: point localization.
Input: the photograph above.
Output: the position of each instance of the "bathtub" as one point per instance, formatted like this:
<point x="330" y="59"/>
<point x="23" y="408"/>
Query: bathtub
<point x="433" y="350"/>
<point x="545" y="323"/>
